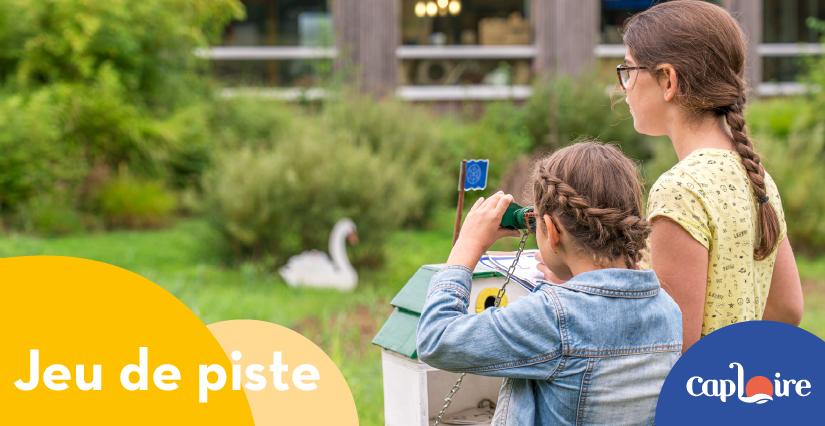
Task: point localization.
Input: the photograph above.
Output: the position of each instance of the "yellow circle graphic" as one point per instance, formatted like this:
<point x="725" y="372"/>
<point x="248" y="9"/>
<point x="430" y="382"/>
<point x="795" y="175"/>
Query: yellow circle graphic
<point x="486" y="298"/>
<point x="89" y="343"/>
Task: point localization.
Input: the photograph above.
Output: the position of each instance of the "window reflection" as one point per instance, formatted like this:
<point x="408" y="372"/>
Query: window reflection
<point x="281" y="23"/>
<point x="786" y="21"/>
<point x="446" y="72"/>
<point x="485" y="22"/>
<point x="615" y="12"/>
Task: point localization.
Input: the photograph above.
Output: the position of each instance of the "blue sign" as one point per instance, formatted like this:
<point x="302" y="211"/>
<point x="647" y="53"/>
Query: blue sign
<point x="475" y="177"/>
<point x="750" y="373"/>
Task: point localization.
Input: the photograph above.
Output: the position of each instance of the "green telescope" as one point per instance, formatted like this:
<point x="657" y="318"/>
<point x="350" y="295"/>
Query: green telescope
<point x="518" y="217"/>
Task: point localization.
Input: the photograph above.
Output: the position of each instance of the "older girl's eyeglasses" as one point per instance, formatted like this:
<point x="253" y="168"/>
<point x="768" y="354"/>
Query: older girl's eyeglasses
<point x="623" y="74"/>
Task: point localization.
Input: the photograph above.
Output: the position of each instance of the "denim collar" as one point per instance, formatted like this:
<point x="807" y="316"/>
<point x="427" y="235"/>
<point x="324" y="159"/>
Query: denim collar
<point x="615" y="282"/>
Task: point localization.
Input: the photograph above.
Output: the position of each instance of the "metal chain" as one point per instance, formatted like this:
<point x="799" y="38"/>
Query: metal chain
<point x="449" y="398"/>
<point x="512" y="268"/>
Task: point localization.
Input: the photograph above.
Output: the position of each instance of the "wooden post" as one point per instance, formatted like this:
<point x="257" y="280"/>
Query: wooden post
<point x="459" y="210"/>
<point x="565" y="35"/>
<point x="368" y="33"/>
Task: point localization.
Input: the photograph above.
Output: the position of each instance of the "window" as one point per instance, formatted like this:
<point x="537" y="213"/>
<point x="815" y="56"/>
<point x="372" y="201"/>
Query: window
<point x="482" y="44"/>
<point x="785" y="21"/>
<point x="456" y="22"/>
<point x="278" y="43"/>
<point x="281" y="23"/>
<point x="614" y="13"/>
<point x="788" y="38"/>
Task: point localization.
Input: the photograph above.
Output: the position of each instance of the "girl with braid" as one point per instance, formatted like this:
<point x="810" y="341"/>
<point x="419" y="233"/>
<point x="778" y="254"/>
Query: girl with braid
<point x="594" y="349"/>
<point x="718" y="243"/>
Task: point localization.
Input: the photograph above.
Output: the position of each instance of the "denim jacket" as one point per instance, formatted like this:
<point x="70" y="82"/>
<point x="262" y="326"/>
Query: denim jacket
<point x="594" y="350"/>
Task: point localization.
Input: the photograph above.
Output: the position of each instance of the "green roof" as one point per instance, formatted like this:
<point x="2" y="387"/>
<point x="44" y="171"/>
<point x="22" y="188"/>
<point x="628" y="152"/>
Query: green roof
<point x="398" y="332"/>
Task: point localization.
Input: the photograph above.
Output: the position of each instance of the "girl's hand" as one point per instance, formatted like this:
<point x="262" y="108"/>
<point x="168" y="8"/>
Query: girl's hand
<point x="481" y="229"/>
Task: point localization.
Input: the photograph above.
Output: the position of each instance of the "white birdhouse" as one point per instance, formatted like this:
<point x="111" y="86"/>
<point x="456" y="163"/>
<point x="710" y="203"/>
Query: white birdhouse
<point x="413" y="391"/>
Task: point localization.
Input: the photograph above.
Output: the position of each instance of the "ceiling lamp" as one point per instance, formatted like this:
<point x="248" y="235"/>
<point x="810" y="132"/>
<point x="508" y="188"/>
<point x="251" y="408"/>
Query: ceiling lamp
<point x="420" y="9"/>
<point x="432" y="8"/>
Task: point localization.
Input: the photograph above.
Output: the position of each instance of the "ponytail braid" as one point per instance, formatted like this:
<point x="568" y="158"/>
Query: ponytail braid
<point x="768" y="222"/>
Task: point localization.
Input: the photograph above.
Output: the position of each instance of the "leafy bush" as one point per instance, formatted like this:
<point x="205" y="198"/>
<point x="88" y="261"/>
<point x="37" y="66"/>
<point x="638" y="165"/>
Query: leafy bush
<point x="148" y="44"/>
<point x="126" y="201"/>
<point x="563" y="110"/>
<point x="246" y="121"/>
<point x="795" y="163"/>
<point x="272" y="203"/>
<point x="102" y="84"/>
<point x="778" y="117"/>
<point x="51" y="215"/>
<point x="815" y="76"/>
<point x="402" y="135"/>
<point x="35" y="159"/>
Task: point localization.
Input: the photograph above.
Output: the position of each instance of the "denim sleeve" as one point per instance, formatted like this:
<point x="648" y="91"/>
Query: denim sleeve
<point x="520" y="341"/>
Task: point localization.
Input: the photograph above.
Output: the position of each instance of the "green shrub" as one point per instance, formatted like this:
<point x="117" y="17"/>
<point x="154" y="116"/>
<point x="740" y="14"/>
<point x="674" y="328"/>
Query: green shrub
<point x="246" y="121"/>
<point x="404" y="135"/>
<point x="35" y="159"/>
<point x="815" y="76"/>
<point x="92" y="84"/>
<point x="126" y="201"/>
<point x="563" y="110"/>
<point x="183" y="145"/>
<point x="148" y="44"/>
<point x="778" y="117"/>
<point x="51" y="215"/>
<point x="275" y="202"/>
<point x="796" y="165"/>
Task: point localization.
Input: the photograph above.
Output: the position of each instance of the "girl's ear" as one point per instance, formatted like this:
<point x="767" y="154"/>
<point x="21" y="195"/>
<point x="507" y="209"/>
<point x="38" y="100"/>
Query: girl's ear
<point x="670" y="81"/>
<point x="553" y="232"/>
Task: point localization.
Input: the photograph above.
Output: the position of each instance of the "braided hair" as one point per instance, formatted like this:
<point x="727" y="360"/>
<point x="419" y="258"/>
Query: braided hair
<point x="769" y="222"/>
<point x="706" y="48"/>
<point x="594" y="191"/>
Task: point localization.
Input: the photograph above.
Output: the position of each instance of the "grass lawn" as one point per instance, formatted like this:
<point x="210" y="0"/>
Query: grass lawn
<point x="181" y="259"/>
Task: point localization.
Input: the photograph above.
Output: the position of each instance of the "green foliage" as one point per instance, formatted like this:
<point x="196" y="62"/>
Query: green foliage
<point x="815" y="76"/>
<point x="402" y="135"/>
<point x="246" y="121"/>
<point x="129" y="202"/>
<point x="564" y="110"/>
<point x="93" y="84"/>
<point x="35" y="160"/>
<point x="285" y="175"/>
<point x="795" y="163"/>
<point x="778" y="117"/>
<point x="149" y="44"/>
<point x="51" y="215"/>
<point x="275" y="202"/>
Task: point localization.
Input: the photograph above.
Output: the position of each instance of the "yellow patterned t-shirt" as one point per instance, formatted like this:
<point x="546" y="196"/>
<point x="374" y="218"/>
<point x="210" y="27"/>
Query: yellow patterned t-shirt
<point x="709" y="195"/>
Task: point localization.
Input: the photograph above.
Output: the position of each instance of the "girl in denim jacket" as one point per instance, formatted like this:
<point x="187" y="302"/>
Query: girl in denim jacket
<point x="594" y="349"/>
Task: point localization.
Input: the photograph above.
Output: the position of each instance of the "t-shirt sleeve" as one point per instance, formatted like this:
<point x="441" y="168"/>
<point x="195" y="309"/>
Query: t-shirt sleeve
<point x="675" y="196"/>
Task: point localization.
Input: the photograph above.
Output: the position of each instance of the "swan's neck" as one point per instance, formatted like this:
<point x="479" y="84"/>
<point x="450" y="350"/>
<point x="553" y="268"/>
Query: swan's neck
<point x="338" y="249"/>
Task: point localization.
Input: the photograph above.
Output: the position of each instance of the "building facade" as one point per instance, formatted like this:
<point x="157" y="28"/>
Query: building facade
<point x="453" y="50"/>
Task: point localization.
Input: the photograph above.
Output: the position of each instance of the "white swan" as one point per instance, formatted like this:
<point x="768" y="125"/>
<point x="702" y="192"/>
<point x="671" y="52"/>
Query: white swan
<point x="315" y="269"/>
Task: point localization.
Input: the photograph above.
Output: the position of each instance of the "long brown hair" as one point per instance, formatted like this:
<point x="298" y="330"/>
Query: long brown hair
<point x="706" y="47"/>
<point x="595" y="193"/>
